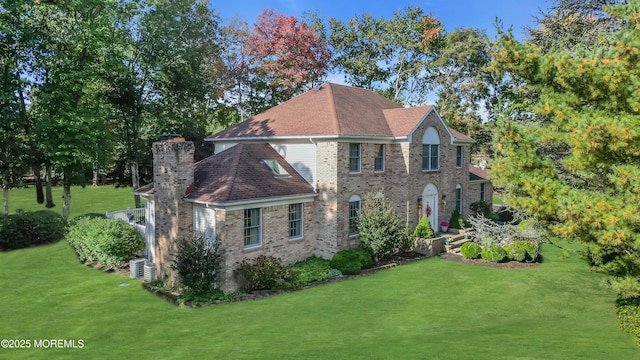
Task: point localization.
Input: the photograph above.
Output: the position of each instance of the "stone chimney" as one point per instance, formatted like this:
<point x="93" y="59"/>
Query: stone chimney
<point x="172" y="176"/>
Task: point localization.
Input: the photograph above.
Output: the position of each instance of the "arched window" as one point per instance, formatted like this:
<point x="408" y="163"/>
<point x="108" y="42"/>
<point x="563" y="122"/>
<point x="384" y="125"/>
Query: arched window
<point x="459" y="198"/>
<point x="354" y="212"/>
<point x="430" y="150"/>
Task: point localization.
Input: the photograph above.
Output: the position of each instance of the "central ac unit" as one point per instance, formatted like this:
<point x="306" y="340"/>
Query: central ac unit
<point x="149" y="272"/>
<point x="136" y="268"/>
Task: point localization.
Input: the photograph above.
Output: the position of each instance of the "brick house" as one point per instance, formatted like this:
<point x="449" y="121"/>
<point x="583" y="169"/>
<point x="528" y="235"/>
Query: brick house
<point x="289" y="182"/>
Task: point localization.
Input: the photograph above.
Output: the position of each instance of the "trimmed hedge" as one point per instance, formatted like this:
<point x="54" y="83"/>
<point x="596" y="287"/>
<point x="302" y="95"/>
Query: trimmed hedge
<point x="25" y="229"/>
<point x="351" y="261"/>
<point x="105" y="241"/>
<point x="470" y="250"/>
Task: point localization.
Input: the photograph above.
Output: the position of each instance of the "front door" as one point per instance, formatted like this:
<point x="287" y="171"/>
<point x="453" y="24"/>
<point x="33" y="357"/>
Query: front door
<point x="430" y="205"/>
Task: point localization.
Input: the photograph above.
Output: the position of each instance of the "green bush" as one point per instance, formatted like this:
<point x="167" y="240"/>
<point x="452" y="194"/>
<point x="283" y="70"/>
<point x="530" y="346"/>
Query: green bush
<point x="264" y="273"/>
<point x="380" y="229"/>
<point x="481" y="208"/>
<point x="470" y="250"/>
<point x="456" y="221"/>
<point x="424" y="230"/>
<point x="351" y="261"/>
<point x="111" y="243"/>
<point x="311" y="270"/>
<point x="516" y="251"/>
<point x="532" y="249"/>
<point x="628" y="314"/>
<point x="493" y="253"/>
<point x="198" y="263"/>
<point x="25" y="229"/>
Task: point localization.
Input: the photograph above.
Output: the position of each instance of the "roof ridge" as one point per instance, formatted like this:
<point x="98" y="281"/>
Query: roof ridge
<point x="332" y="106"/>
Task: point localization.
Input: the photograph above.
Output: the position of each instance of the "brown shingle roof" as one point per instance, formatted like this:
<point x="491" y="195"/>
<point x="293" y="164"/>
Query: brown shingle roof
<point x="237" y="174"/>
<point x="460" y="136"/>
<point x="327" y="110"/>
<point x="477" y="174"/>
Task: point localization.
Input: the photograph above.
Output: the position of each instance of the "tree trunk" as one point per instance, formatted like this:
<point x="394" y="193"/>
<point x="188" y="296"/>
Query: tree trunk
<point x="38" y="182"/>
<point x="135" y="179"/>
<point x="66" y="185"/>
<point x="5" y="202"/>
<point x="95" y="178"/>
<point x="50" y="203"/>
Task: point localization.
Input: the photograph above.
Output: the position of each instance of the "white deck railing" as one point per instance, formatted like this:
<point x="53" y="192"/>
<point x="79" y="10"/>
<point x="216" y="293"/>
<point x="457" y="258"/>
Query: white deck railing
<point x="132" y="216"/>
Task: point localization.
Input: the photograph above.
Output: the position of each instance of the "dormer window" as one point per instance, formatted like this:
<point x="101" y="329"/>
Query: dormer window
<point x="276" y="169"/>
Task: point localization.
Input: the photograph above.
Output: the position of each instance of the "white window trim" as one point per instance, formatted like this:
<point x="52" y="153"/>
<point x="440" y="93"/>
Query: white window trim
<point x="301" y="206"/>
<point x="359" y="159"/>
<point x="244" y="228"/>
<point x="422" y="157"/>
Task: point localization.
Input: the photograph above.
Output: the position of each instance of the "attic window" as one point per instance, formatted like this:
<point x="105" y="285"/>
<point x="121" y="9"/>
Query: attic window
<point x="276" y="169"/>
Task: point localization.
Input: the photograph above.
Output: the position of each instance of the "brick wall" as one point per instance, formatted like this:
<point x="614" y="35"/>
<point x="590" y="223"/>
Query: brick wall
<point x="172" y="175"/>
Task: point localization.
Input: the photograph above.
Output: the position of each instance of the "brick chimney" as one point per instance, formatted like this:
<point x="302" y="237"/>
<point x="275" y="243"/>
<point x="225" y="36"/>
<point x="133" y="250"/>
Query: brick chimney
<point x="172" y="176"/>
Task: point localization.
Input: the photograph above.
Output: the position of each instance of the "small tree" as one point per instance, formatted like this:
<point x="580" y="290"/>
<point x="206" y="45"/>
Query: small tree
<point x="381" y="232"/>
<point x="424" y="230"/>
<point x="198" y="263"/>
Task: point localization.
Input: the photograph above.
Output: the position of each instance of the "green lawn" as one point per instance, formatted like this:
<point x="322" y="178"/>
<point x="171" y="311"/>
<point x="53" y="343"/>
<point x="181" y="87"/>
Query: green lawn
<point x="431" y="309"/>
<point x="83" y="200"/>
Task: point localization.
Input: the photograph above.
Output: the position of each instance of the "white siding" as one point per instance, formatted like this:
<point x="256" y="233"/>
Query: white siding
<point x="302" y="157"/>
<point x="150" y="229"/>
<point x="204" y="222"/>
<point x="221" y="146"/>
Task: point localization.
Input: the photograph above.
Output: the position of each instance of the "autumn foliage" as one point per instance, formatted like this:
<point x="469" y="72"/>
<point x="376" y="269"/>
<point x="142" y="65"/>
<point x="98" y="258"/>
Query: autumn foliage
<point x="287" y="51"/>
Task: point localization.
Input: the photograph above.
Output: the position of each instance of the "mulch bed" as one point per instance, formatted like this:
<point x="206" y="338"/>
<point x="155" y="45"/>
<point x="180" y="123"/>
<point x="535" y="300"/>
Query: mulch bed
<point x="483" y="262"/>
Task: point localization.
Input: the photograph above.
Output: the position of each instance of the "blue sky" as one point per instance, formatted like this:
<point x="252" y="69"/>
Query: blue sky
<point x="452" y="13"/>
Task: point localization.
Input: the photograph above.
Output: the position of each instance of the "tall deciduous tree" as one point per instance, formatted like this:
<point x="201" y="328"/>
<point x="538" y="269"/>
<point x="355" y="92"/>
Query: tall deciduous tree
<point x="15" y="45"/>
<point x="288" y="55"/>
<point x="394" y="56"/>
<point x="75" y="39"/>
<point x="588" y="110"/>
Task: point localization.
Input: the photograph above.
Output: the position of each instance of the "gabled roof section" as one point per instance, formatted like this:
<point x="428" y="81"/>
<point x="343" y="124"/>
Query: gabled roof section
<point x="477" y="174"/>
<point x="238" y="174"/>
<point x="327" y="110"/>
<point x="403" y="121"/>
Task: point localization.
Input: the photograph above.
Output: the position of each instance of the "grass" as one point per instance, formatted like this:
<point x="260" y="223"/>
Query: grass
<point x="428" y="309"/>
<point x="83" y="199"/>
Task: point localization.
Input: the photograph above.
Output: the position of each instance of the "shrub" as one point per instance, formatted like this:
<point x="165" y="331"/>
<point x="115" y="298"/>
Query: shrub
<point x="106" y="241"/>
<point x="333" y="273"/>
<point x="310" y="270"/>
<point x="628" y="314"/>
<point x="424" y="230"/>
<point x="380" y="229"/>
<point x="470" y="250"/>
<point x="493" y="253"/>
<point x="351" y="261"/>
<point x="481" y="208"/>
<point x="264" y="273"/>
<point x="25" y="229"/>
<point x="456" y="220"/>
<point x="532" y="249"/>
<point x="516" y="251"/>
<point x="198" y="264"/>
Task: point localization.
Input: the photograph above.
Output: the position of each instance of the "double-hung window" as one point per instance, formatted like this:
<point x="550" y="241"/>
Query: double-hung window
<point x="354" y="158"/>
<point x="482" y="192"/>
<point x="295" y="221"/>
<point x="459" y="156"/>
<point x="459" y="198"/>
<point x="430" y="150"/>
<point x="252" y="227"/>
